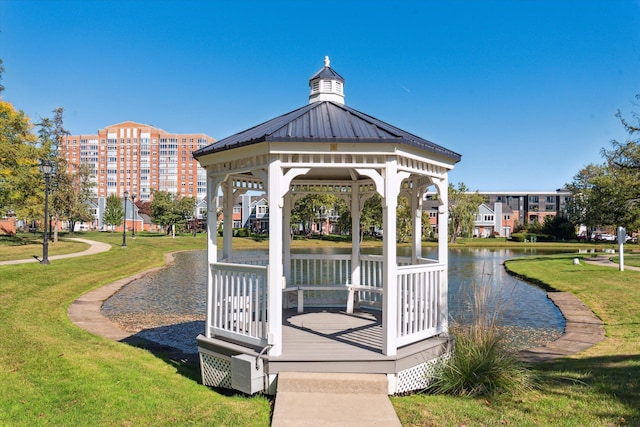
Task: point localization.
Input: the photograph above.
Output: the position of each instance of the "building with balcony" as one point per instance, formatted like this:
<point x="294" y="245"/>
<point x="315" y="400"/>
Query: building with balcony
<point x="531" y="206"/>
<point x="139" y="158"/>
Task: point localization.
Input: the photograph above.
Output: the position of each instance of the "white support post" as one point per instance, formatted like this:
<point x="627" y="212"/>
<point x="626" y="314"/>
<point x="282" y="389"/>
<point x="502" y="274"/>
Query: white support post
<point x="227" y="215"/>
<point x="274" y="279"/>
<point x="443" y="249"/>
<point x="286" y="236"/>
<point x="390" y="293"/>
<point x="416" y="209"/>
<point x="355" y="243"/>
<point x="443" y="220"/>
<point x="212" y="245"/>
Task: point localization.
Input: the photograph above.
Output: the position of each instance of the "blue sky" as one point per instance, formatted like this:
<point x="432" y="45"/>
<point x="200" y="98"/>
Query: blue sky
<point x="526" y="91"/>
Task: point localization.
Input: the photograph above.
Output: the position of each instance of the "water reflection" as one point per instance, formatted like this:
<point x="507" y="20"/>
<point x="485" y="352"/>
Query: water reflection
<point x="177" y="294"/>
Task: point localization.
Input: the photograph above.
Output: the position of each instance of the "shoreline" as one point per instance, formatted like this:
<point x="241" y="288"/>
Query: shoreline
<point x="582" y="328"/>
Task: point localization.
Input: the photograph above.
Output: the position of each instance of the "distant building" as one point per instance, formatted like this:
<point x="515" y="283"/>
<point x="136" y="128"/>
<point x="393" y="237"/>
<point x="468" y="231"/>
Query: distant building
<point x="531" y="206"/>
<point x="139" y="158"/>
<point x="502" y="212"/>
<point x="497" y="221"/>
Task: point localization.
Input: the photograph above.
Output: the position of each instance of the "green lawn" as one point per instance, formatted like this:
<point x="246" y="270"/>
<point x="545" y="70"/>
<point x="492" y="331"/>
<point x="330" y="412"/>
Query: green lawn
<point x="598" y="387"/>
<point x="631" y="259"/>
<point x="54" y="373"/>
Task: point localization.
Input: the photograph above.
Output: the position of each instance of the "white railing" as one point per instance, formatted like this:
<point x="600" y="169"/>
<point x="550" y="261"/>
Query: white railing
<point x="321" y="270"/>
<point x="421" y="302"/>
<point x="238" y="302"/>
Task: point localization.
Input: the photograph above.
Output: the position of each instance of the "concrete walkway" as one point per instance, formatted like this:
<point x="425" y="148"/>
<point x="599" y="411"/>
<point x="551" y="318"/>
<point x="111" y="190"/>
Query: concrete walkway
<point x="605" y="261"/>
<point x="321" y="399"/>
<point x="94" y="248"/>
<point x="85" y="311"/>
<point x="582" y="330"/>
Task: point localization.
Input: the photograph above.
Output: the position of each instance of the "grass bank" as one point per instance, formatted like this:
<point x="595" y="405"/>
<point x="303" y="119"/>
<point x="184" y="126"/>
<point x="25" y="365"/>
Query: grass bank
<point x="598" y="387"/>
<point x="54" y="373"/>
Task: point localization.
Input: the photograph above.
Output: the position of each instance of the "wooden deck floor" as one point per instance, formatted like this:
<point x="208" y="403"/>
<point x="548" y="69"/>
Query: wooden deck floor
<point x="327" y="334"/>
<point x="331" y="340"/>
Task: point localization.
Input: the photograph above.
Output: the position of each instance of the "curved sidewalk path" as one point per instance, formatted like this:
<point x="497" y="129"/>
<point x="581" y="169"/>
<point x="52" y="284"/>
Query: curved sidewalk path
<point x="605" y="261"/>
<point x="94" y="248"/>
<point x="583" y="328"/>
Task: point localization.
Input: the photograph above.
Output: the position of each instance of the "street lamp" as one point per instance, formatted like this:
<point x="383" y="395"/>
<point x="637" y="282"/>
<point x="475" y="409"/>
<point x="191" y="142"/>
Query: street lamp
<point x="133" y="214"/>
<point x="46" y="167"/>
<point x="124" y="227"/>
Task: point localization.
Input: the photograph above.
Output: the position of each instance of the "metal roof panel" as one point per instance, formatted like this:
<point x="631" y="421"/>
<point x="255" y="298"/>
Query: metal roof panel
<point x="324" y="122"/>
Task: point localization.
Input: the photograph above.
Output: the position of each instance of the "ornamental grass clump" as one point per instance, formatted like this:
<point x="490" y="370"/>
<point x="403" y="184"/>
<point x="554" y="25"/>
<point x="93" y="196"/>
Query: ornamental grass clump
<point x="481" y="363"/>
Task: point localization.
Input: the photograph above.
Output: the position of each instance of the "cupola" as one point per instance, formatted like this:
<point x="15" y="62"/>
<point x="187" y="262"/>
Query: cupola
<point x="326" y="85"/>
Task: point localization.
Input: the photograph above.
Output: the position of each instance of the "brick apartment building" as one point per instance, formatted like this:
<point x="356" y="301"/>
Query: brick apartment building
<point x="502" y="212"/>
<point x="140" y="158"/>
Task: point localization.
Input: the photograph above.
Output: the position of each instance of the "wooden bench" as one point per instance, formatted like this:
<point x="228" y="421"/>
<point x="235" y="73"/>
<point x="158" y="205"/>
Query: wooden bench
<point x="350" y="289"/>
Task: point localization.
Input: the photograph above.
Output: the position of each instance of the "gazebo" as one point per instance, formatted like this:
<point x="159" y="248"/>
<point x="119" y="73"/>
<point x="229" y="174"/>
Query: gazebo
<point x="314" y="312"/>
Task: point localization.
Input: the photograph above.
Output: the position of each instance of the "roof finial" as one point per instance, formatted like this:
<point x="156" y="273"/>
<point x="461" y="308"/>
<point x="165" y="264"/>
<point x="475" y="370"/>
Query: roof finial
<point x="326" y="61"/>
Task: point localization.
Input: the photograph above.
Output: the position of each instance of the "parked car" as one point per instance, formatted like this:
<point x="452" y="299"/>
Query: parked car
<point x="605" y="237"/>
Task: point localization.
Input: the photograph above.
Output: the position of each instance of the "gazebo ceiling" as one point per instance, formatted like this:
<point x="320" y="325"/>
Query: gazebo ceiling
<point x="326" y="122"/>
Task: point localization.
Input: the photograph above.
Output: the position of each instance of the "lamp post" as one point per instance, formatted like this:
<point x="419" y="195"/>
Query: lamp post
<point x="124" y="226"/>
<point x="133" y="214"/>
<point x="46" y="167"/>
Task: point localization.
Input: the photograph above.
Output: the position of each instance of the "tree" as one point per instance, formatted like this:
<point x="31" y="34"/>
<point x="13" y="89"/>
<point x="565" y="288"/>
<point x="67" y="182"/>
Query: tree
<point x="51" y="133"/>
<point x="73" y="195"/>
<point x="168" y="209"/>
<point x="144" y="207"/>
<point x="609" y="194"/>
<point x="371" y="215"/>
<point x="463" y="206"/>
<point x="584" y="207"/>
<point x="559" y="227"/>
<point x="1" y="73"/>
<point x="623" y="167"/>
<point x="307" y="209"/>
<point x="21" y="183"/>
<point x="404" y="222"/>
<point x="113" y="212"/>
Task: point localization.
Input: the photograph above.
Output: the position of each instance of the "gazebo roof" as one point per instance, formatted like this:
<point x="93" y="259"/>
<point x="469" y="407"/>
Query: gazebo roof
<point x="325" y="121"/>
<point x="327" y="72"/>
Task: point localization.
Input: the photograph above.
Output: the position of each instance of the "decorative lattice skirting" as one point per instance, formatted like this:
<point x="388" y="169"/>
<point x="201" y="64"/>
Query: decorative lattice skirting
<point x="419" y="377"/>
<point x="216" y="370"/>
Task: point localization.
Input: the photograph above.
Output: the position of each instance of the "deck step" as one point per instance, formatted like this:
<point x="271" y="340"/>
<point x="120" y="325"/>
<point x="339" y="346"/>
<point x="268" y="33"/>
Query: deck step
<point x="313" y="382"/>
<point x="333" y="399"/>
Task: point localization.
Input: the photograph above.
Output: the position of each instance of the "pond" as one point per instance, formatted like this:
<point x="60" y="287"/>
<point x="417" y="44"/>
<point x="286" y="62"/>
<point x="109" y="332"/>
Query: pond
<point x="177" y="295"/>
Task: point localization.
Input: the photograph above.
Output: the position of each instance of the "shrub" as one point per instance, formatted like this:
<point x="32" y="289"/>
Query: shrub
<point x="481" y="363"/>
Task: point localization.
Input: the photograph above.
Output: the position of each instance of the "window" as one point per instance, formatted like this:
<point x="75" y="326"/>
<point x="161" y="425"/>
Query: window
<point x="533" y="199"/>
